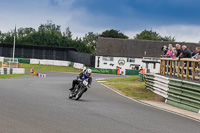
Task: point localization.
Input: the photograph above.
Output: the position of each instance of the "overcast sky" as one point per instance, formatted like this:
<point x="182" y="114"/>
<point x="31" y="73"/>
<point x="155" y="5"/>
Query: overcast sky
<point x="176" y="18"/>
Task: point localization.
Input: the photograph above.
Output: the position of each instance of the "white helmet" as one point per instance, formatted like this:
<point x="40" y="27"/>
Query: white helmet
<point x="88" y="72"/>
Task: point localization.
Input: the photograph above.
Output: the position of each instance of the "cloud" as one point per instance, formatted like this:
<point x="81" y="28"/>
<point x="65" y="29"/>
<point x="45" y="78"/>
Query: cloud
<point x="182" y="33"/>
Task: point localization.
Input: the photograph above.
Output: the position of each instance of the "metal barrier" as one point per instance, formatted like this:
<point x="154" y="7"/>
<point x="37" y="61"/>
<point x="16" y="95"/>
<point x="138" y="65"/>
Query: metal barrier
<point x="179" y="93"/>
<point x="141" y="77"/>
<point x="149" y="82"/>
<point x="184" y="94"/>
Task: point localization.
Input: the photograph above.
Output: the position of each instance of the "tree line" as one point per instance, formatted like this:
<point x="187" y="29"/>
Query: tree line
<point x="49" y="34"/>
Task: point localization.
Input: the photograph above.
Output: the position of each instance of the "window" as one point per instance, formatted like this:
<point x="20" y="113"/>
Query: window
<point x="131" y="60"/>
<point x="107" y="58"/>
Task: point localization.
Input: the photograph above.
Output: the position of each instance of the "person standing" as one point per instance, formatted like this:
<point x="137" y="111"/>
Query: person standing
<point x="170" y="52"/>
<point x="118" y="70"/>
<point x="197" y="54"/>
<point x="186" y="54"/>
<point x="142" y="70"/>
<point x="179" y="50"/>
<point x="164" y="49"/>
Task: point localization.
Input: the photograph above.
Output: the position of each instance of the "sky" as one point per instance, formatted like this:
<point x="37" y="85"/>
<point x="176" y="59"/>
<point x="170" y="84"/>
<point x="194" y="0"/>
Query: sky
<point x="175" y="18"/>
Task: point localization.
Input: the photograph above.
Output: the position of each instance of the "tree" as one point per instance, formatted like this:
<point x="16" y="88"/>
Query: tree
<point x="113" y="34"/>
<point x="67" y="33"/>
<point x="90" y="40"/>
<point x="48" y="34"/>
<point x="152" y="35"/>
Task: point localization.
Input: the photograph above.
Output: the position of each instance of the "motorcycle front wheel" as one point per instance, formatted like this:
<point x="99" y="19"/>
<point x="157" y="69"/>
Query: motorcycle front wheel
<point x="70" y="95"/>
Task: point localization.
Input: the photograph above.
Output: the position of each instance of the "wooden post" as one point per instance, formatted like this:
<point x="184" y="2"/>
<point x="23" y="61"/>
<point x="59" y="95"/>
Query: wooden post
<point x="182" y="69"/>
<point x="174" y="70"/>
<point x="164" y="67"/>
<point x="161" y="66"/>
<point x="187" y="70"/>
<point x="170" y="67"/>
<point x="167" y="66"/>
<point x="193" y="70"/>
<point x="179" y="64"/>
<point x="199" y="70"/>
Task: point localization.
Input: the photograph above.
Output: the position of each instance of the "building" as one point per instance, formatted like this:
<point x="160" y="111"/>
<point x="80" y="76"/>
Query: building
<point x="131" y="54"/>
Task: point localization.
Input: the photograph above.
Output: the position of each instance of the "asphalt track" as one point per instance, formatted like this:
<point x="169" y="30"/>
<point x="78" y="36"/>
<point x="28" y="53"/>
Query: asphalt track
<point x="41" y="105"/>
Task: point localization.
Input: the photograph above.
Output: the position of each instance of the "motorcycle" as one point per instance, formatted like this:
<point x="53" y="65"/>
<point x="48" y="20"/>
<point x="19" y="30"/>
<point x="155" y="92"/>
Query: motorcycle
<point x="78" y="90"/>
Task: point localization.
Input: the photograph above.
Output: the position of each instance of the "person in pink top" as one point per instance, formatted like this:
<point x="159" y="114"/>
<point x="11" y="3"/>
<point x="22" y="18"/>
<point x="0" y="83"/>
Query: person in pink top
<point x="31" y="71"/>
<point x="170" y="52"/>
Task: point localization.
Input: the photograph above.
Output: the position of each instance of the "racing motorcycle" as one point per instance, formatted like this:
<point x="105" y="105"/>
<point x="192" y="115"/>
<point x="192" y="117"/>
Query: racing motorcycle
<point x="78" y="90"/>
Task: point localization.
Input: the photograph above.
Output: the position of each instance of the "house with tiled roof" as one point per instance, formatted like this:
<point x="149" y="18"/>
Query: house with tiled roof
<point x="132" y="54"/>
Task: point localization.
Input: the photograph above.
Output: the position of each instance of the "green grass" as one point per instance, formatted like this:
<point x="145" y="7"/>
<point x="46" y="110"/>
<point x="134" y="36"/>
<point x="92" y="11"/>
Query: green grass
<point x="49" y="68"/>
<point x="131" y="86"/>
<point x="40" y="68"/>
<point x="7" y="76"/>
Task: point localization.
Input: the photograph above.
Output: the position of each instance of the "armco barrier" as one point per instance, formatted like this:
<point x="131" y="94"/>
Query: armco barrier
<point x="61" y="63"/>
<point x="184" y="94"/>
<point x="132" y="72"/>
<point x="161" y="85"/>
<point x="50" y="62"/>
<point x="78" y="65"/>
<point x="34" y="61"/>
<point x="104" y="71"/>
<point x="18" y="70"/>
<point x="1" y="59"/>
<point x="23" y="60"/>
<point x="179" y="93"/>
<point x="149" y="82"/>
<point x="157" y="84"/>
<point x="47" y="62"/>
<point x="141" y="77"/>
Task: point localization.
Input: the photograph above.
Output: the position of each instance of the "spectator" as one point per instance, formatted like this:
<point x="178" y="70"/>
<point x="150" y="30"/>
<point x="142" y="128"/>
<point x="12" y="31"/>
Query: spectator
<point x="186" y="54"/>
<point x="142" y="70"/>
<point x="193" y="53"/>
<point x="170" y="52"/>
<point x="164" y="49"/>
<point x="179" y="50"/>
<point x="32" y="71"/>
<point x="118" y="70"/>
<point x="196" y="55"/>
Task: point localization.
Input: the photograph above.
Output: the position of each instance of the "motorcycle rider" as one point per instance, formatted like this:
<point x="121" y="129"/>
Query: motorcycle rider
<point x="85" y="75"/>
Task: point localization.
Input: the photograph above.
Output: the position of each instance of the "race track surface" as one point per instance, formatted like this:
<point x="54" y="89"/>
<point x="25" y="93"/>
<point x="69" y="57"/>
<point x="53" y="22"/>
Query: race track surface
<point x="41" y="105"/>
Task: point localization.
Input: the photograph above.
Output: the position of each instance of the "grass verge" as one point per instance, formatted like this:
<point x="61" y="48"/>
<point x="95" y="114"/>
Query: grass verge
<point x="7" y="76"/>
<point x="131" y="86"/>
<point x="37" y="67"/>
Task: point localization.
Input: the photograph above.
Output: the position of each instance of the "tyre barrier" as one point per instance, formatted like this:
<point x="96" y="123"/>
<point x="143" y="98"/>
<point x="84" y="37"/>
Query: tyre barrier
<point x="12" y="71"/>
<point x="41" y="75"/>
<point x="179" y="93"/>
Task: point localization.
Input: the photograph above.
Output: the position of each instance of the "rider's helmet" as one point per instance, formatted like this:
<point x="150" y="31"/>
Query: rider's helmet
<point x="88" y="72"/>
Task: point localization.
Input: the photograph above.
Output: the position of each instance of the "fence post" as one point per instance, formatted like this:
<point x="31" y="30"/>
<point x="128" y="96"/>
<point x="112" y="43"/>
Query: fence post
<point x="170" y="67"/>
<point x="174" y="67"/>
<point x="167" y="66"/>
<point x="182" y="69"/>
<point x="179" y="64"/>
<point x="193" y="70"/>
<point x="164" y="66"/>
<point x="187" y="70"/>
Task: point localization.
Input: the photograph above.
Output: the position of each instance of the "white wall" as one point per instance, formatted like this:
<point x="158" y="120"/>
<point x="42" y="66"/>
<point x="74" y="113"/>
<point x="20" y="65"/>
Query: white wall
<point x="113" y="64"/>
